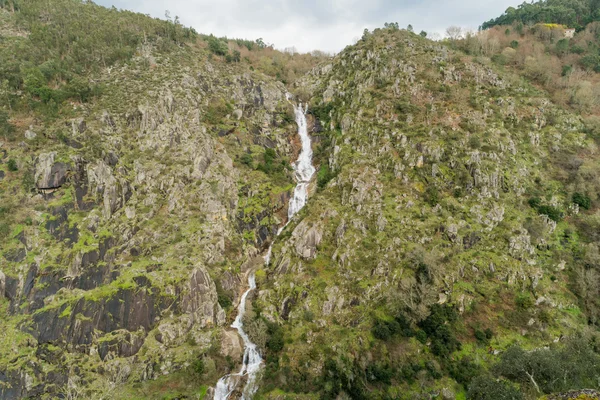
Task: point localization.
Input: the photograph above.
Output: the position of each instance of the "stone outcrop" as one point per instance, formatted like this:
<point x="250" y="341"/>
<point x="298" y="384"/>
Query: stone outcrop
<point x="200" y="301"/>
<point x="307" y="238"/>
<point x="50" y="175"/>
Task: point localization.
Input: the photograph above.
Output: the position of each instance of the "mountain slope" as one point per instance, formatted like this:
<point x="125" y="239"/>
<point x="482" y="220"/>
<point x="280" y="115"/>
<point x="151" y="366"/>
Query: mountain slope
<point x="449" y="247"/>
<point x="448" y="233"/>
<point x="129" y="218"/>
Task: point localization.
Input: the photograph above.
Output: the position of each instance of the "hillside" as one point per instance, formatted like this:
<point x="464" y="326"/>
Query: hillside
<point x="129" y="208"/>
<point x="452" y="230"/>
<point x="573" y="13"/>
<point x="449" y="247"/>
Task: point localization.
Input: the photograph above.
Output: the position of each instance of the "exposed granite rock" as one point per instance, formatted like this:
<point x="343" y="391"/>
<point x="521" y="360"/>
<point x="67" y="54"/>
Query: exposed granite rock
<point x="201" y="300"/>
<point x="306" y="239"/>
<point x="49" y="174"/>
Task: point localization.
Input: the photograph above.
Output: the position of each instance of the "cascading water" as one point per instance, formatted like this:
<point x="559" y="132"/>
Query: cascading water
<point x="252" y="360"/>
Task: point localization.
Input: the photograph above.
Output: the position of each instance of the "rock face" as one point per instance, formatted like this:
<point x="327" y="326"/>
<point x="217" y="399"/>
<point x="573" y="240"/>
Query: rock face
<point x="427" y="207"/>
<point x="200" y="302"/>
<point x="307" y="238"/>
<point x="124" y="265"/>
<point x="50" y="175"/>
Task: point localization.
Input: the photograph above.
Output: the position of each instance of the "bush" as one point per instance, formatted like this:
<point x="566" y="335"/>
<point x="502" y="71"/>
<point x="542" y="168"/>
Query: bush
<point x="438" y="328"/>
<point x="324" y="175"/>
<point x="566" y="70"/>
<point x="198" y="366"/>
<point x="6" y="128"/>
<point x="275" y="342"/>
<point x="270" y="165"/>
<point x="247" y="159"/>
<point x="384" y="329"/>
<point x="432" y="196"/>
<point x="582" y="201"/>
<point x="524" y="301"/>
<point x="224" y="297"/>
<point x="488" y="388"/>
<point x="217" y="46"/>
<point x="553" y="213"/>
<point x="12" y="165"/>
<point x="464" y="370"/>
<point x="380" y="372"/>
<point x="480" y="336"/>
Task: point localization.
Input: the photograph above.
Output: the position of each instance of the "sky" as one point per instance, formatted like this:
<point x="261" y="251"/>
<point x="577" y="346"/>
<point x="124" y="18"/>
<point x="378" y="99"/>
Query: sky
<point x="316" y="24"/>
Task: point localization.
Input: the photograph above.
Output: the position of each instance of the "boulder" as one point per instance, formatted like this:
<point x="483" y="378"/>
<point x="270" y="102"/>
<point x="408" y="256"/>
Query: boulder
<point x="48" y="173"/>
<point x="201" y="300"/>
<point x="307" y="239"/>
<point x="231" y="345"/>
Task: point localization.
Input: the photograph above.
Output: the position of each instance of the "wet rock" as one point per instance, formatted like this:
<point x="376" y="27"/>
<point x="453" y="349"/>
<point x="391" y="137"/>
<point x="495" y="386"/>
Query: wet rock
<point x="286" y="307"/>
<point x="120" y="344"/>
<point x="231" y="345"/>
<point x="79" y="323"/>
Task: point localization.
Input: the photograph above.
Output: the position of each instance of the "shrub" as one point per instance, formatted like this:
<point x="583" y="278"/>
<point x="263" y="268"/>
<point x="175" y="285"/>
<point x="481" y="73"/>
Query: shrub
<point x="324" y="175"/>
<point x="488" y="388"/>
<point x="217" y="46"/>
<point x="247" y="159"/>
<point x="432" y="196"/>
<point x="480" y="336"/>
<point x="582" y="201"/>
<point x="464" y="370"/>
<point x="6" y="128"/>
<point x="198" y="366"/>
<point x="275" y="342"/>
<point x="552" y="212"/>
<point x="384" y="329"/>
<point x="438" y="328"/>
<point x="12" y="165"/>
<point x="380" y="372"/>
<point x="524" y="301"/>
<point x="225" y="298"/>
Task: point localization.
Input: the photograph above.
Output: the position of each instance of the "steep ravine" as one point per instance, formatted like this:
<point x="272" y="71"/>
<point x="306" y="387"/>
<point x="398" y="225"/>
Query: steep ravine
<point x="252" y="361"/>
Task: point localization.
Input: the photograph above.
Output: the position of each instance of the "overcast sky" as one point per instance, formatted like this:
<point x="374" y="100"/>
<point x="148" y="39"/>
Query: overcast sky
<point x="316" y="24"/>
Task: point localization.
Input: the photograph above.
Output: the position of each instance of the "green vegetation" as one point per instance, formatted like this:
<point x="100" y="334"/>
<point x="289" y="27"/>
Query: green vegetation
<point x="573" y="13"/>
<point x="52" y="67"/>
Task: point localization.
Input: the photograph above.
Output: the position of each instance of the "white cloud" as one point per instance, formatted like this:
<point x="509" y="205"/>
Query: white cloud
<point x="316" y="24"/>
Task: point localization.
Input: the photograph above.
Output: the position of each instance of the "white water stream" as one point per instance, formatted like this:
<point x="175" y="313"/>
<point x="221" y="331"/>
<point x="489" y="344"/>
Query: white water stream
<point x="252" y="360"/>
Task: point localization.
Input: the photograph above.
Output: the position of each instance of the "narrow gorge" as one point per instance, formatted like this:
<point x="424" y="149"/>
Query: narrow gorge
<point x="252" y="360"/>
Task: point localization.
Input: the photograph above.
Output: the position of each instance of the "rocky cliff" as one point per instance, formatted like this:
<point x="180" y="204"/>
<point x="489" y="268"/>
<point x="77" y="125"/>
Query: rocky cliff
<point x="132" y="220"/>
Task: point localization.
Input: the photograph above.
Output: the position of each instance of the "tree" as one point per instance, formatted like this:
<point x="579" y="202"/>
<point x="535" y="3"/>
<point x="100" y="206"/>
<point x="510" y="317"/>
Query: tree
<point x="454" y="32"/>
<point x="6" y="128"/>
<point x="217" y="46"/>
<point x="423" y="34"/>
<point x="409" y="28"/>
<point x="260" y="43"/>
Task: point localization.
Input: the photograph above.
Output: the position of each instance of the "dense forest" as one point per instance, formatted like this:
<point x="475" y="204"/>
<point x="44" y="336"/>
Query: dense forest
<point x="572" y="13"/>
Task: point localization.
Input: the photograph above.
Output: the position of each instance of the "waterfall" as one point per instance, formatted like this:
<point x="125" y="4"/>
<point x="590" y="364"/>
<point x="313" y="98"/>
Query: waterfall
<point x="252" y="360"/>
